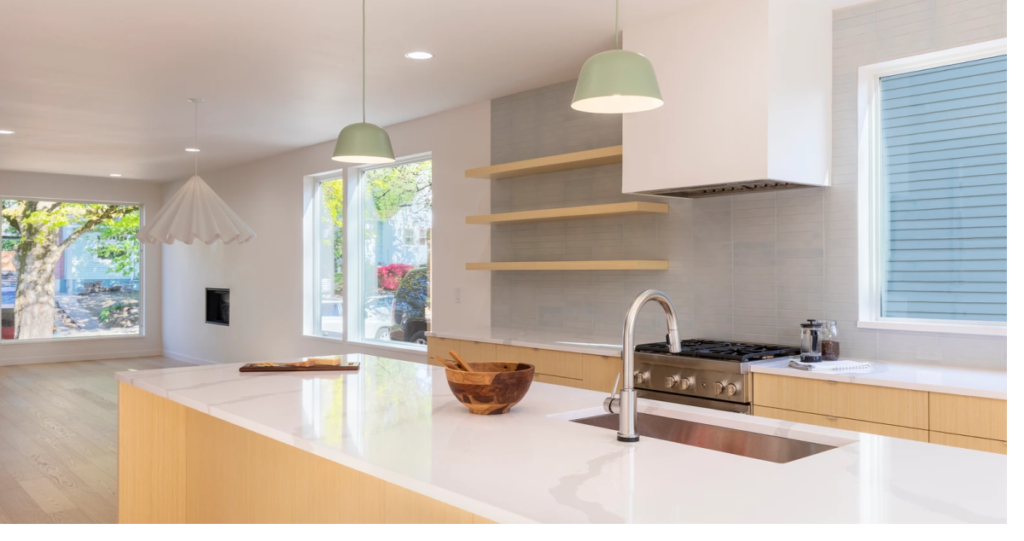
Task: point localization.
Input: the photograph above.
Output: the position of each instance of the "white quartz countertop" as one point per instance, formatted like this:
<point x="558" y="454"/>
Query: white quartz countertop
<point x="560" y="341"/>
<point x="398" y="421"/>
<point x="936" y="379"/>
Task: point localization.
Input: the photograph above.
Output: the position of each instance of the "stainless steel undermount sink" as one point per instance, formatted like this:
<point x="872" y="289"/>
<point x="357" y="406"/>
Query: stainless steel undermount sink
<point x="716" y="438"/>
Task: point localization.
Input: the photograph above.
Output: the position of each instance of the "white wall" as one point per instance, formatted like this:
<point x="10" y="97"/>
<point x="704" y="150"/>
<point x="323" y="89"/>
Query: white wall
<point x="266" y="275"/>
<point x="14" y="184"/>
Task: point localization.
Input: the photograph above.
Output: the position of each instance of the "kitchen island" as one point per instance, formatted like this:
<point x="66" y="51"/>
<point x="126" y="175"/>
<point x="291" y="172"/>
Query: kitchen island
<point x="389" y="443"/>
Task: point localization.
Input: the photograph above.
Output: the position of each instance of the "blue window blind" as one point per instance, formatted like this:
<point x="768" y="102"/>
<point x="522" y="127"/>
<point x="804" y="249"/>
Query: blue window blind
<point x="944" y="179"/>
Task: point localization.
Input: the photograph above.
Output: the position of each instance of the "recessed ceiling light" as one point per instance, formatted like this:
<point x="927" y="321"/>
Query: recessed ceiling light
<point x="419" y="55"/>
<point x="115" y="174"/>
<point x="191" y="150"/>
<point x="6" y="132"/>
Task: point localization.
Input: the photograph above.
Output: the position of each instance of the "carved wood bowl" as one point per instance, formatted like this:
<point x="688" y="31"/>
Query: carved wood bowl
<point x="493" y="389"/>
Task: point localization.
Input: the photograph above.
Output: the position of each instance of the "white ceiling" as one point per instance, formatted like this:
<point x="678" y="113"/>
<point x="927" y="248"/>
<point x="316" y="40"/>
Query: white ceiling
<point x="100" y="86"/>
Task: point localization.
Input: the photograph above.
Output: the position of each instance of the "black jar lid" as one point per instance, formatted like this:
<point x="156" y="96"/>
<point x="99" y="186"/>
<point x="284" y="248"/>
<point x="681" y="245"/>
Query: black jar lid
<point x="811" y="324"/>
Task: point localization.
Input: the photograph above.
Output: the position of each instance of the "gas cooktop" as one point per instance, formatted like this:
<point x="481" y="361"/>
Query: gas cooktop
<point x="724" y="351"/>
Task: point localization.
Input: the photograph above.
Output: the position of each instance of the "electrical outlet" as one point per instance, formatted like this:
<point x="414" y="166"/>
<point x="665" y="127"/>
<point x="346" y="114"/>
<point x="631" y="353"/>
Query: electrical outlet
<point x="458" y="295"/>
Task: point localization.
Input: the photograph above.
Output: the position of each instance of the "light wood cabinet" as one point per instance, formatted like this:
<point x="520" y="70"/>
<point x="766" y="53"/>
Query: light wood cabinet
<point x="968" y="416"/>
<point x="556" y="380"/>
<point x="599" y="373"/>
<point x="178" y="465"/>
<point x="968" y="442"/>
<point x="962" y="421"/>
<point x="842" y="424"/>
<point x="439" y="347"/>
<point x="478" y="352"/>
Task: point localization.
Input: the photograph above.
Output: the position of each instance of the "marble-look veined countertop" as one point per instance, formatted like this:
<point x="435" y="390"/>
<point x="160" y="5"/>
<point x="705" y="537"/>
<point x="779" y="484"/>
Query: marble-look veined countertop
<point x="398" y="421"/>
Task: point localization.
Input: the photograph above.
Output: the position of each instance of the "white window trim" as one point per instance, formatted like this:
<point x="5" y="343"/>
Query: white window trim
<point x="870" y="206"/>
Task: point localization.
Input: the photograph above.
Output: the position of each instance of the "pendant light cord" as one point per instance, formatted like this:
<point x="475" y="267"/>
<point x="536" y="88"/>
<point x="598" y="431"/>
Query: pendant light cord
<point x="365" y="60"/>
<point x="617" y="46"/>
<point x="195" y="134"/>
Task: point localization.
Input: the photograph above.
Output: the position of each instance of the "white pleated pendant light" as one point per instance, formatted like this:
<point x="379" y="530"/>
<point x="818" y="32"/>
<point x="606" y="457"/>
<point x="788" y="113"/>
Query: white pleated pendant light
<point x="195" y="212"/>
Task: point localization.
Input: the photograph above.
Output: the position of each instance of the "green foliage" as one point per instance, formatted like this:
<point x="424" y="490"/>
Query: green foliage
<point x="105" y="314"/>
<point x="391" y="188"/>
<point x="10" y="244"/>
<point x="332" y="198"/>
<point x="117" y="244"/>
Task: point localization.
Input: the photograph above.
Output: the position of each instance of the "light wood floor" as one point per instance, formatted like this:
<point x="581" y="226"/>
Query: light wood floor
<point x="58" y="440"/>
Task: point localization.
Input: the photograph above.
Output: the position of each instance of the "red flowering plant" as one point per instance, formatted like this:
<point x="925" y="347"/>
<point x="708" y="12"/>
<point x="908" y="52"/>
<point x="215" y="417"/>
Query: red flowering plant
<point x="389" y="276"/>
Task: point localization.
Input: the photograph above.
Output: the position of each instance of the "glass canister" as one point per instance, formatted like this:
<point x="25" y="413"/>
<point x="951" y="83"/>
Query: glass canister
<point x="810" y="341"/>
<point x="829" y="341"/>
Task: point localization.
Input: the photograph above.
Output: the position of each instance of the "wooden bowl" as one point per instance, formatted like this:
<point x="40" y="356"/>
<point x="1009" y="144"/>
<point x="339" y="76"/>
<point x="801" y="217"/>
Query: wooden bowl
<point x="493" y="389"/>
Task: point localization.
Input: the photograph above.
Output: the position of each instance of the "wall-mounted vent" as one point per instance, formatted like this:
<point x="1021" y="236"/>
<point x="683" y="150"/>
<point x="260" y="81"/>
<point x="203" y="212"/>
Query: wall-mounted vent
<point x="727" y="189"/>
<point x="218" y="306"/>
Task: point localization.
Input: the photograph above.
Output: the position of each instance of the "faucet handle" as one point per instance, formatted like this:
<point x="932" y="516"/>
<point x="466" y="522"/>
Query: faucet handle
<point x="611" y="404"/>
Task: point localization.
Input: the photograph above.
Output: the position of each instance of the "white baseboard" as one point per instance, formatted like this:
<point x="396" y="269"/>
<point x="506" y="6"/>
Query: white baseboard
<point x="99" y="356"/>
<point x="186" y="358"/>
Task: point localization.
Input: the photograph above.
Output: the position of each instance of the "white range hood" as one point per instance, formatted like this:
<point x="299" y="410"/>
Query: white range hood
<point x="748" y="100"/>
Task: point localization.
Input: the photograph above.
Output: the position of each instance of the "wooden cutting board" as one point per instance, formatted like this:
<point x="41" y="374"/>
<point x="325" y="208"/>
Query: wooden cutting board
<point x="308" y="364"/>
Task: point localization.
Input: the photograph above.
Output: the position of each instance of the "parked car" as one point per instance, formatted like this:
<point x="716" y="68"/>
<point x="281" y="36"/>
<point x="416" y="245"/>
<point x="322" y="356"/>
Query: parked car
<point x="377" y="322"/>
<point x="410" y="308"/>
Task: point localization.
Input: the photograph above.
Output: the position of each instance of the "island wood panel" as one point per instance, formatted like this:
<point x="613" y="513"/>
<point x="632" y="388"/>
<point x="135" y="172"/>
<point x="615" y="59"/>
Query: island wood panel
<point x="549" y="164"/>
<point x="600" y="373"/>
<point x="232" y="475"/>
<point x="795" y="394"/>
<point x="439" y="347"/>
<point x="151" y="458"/>
<point x="557" y="380"/>
<point x="477" y="352"/>
<point x="840" y="423"/>
<point x="616" y="264"/>
<point x="967" y="442"/>
<point x="886" y="405"/>
<point x="630" y="208"/>
<point x="217" y="486"/>
<point x="968" y="416"/>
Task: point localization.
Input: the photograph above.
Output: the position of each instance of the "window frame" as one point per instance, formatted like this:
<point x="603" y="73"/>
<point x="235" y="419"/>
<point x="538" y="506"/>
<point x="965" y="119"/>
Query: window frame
<point x="142" y="273"/>
<point x="316" y="328"/>
<point x="872" y="208"/>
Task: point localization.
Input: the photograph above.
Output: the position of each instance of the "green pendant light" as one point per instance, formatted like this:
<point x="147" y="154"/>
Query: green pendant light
<point x="617" y="81"/>
<point x="363" y="142"/>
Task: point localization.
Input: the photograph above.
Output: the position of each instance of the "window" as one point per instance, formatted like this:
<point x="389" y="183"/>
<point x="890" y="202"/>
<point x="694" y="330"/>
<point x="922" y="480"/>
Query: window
<point x="933" y="187"/>
<point x="395" y="223"/>
<point x="329" y="257"/>
<point x="387" y="296"/>
<point x="69" y="270"/>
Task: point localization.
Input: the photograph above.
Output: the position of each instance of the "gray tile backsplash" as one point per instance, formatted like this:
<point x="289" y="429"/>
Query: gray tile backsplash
<point x="746" y="267"/>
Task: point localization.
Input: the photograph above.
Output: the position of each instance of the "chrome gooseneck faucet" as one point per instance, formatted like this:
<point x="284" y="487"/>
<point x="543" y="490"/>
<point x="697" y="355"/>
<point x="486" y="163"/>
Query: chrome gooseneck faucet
<point x="625" y="404"/>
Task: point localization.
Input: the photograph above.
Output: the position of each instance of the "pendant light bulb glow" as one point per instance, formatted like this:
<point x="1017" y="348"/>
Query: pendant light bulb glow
<point x="617" y="81"/>
<point x="363" y="142"/>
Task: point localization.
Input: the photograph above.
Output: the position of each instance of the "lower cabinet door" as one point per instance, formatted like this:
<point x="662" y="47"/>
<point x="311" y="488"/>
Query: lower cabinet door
<point x="967" y="442"/>
<point x="557" y="380"/>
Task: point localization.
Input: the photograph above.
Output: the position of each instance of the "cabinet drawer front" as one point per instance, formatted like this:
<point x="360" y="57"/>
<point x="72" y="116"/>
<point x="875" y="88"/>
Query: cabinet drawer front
<point x="967" y="442"/>
<point x="968" y="416"/>
<point x="556" y="380"/>
<point x="547" y="362"/>
<point x="478" y="352"/>
<point x="843" y="424"/>
<point x="899" y="407"/>
<point x="439" y="347"/>
<point x="795" y="416"/>
<point x="599" y="373"/>
<point x="794" y="394"/>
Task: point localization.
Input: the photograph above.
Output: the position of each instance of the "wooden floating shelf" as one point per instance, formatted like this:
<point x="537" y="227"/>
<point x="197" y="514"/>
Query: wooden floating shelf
<point x="550" y="164"/>
<point x="628" y="264"/>
<point x="631" y="208"/>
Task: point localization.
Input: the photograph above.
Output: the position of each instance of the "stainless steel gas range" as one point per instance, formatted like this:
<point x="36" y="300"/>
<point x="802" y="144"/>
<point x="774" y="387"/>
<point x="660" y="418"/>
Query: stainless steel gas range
<point x="706" y="373"/>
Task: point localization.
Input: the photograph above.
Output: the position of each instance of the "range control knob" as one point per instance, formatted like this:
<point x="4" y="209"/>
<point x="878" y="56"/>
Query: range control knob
<point x="719" y="387"/>
<point x="731" y="389"/>
<point x="639" y="377"/>
<point x="671" y="381"/>
<point x="686" y="383"/>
